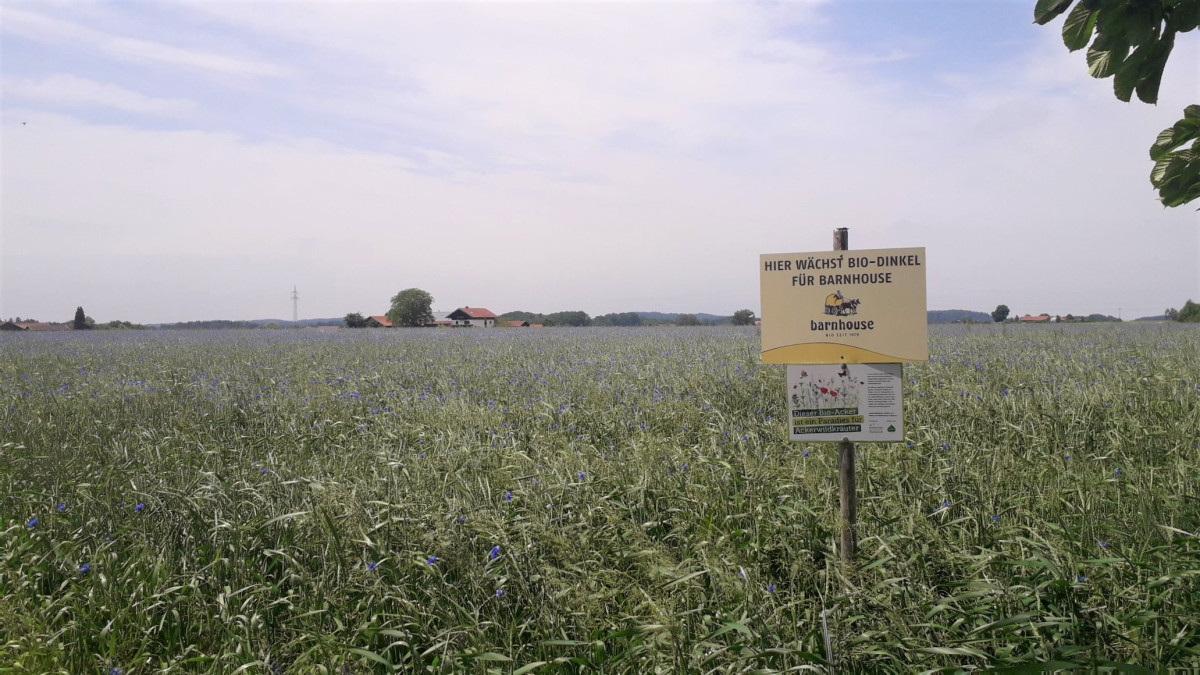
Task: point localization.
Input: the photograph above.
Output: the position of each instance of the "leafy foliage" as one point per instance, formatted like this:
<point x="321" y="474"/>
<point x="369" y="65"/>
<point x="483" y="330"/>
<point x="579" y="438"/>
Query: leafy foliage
<point x="743" y="317"/>
<point x="356" y="320"/>
<point x="411" y="308"/>
<point x="1000" y="313"/>
<point x="618" y="319"/>
<point x="568" y="319"/>
<point x="1130" y="41"/>
<point x="1176" y="156"/>
<point x="1190" y="312"/>
<point x="81" y="320"/>
<point x="687" y="320"/>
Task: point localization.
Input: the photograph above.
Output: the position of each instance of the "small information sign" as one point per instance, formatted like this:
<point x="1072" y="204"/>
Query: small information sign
<point x="852" y="402"/>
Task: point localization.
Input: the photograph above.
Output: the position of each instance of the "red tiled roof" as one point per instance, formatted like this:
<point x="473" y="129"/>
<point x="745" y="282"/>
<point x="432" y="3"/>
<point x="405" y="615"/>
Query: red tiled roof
<point x="44" y="326"/>
<point x="518" y="324"/>
<point x="536" y="325"/>
<point x="383" y="320"/>
<point x="1035" y="318"/>
<point x="477" y="312"/>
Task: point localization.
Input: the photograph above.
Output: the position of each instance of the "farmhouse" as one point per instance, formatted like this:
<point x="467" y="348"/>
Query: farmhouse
<point x="472" y="316"/>
<point x="40" y="327"/>
<point x="1041" y="318"/>
<point x="8" y="325"/>
<point x="380" y="321"/>
<point x="517" y="324"/>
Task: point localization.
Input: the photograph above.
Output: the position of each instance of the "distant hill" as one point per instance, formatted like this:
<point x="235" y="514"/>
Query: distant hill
<point x="669" y="317"/>
<point x="957" y="315"/>
<point x="252" y="323"/>
<point x="1160" y="317"/>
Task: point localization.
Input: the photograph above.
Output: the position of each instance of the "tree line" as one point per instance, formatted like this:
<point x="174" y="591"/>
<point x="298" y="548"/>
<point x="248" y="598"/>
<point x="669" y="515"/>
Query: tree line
<point x="412" y="308"/>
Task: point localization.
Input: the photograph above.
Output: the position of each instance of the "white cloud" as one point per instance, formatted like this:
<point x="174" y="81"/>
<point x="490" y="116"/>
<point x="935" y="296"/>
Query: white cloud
<point x="76" y="91"/>
<point x="44" y="28"/>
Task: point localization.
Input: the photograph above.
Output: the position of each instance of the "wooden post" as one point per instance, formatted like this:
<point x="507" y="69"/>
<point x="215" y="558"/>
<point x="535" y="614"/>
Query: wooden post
<point x="848" y="488"/>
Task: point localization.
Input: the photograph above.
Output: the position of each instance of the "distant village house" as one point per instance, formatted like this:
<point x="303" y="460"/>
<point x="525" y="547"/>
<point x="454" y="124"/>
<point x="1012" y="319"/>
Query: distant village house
<point x="473" y="316"/>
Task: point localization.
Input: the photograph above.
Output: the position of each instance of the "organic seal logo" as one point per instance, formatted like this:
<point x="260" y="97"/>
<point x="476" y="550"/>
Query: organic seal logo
<point x="837" y="305"/>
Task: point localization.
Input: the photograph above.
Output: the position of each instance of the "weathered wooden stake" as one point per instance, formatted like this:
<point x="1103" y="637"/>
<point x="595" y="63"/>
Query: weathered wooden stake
<point x="848" y="488"/>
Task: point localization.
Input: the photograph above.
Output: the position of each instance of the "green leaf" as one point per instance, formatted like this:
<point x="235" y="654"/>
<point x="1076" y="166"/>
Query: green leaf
<point x="954" y="651"/>
<point x="372" y="655"/>
<point x="491" y="656"/>
<point x="1036" y="668"/>
<point x="1156" y="62"/>
<point x="1018" y="618"/>
<point x="1045" y="10"/>
<point x="1077" y="29"/>
<point x="529" y="668"/>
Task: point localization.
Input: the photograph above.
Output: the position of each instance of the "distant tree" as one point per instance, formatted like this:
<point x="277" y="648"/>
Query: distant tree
<point x="618" y="319"/>
<point x="81" y="320"/>
<point x="356" y="320"/>
<point x="1172" y="314"/>
<point x="411" y="307"/>
<point x="518" y="315"/>
<point x="1190" y="312"/>
<point x="687" y="320"/>
<point x="1000" y="313"/>
<point x="743" y="317"/>
<point x="568" y="319"/>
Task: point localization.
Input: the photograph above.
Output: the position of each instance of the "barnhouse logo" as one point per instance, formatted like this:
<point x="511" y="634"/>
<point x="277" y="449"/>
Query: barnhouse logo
<point x="837" y="305"/>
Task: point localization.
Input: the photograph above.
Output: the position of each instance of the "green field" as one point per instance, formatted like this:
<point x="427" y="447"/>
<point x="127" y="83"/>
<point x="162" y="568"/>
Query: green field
<point x="588" y="500"/>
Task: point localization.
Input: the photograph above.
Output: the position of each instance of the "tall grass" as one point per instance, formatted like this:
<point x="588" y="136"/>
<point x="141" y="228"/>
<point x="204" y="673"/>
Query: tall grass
<point x="607" y="500"/>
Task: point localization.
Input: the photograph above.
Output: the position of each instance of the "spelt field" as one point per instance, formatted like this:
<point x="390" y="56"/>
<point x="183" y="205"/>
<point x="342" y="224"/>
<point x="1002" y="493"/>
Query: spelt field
<point x="589" y="500"/>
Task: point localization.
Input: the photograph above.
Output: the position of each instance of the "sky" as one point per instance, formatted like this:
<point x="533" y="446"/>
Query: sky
<point x="169" y="161"/>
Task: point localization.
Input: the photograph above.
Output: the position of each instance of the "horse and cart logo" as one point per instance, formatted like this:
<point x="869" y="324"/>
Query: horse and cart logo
<point x="836" y="305"/>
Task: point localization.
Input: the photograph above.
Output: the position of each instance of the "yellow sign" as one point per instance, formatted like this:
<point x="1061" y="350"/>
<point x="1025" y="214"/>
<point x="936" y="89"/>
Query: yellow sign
<point x="865" y="306"/>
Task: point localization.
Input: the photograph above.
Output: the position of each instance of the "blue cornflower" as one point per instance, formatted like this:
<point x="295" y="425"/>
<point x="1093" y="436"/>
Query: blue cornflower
<point x="85" y="567"/>
<point x="1116" y="473"/>
<point x="139" y="507"/>
<point x="421" y="456"/>
<point x="580" y="476"/>
<point x="372" y="565"/>
<point x="945" y="446"/>
<point x="31" y="523"/>
<point x="1102" y="544"/>
<point x="115" y="671"/>
<point x="1081" y="578"/>
<point x="946" y="504"/>
<point x="494" y="553"/>
<point x="771" y="588"/>
<point x="499" y="592"/>
<point x="1066" y="457"/>
<point x="462" y="519"/>
<point x="508" y="495"/>
<point x="805" y="454"/>
<point x="432" y="560"/>
<point x="62" y="507"/>
<point x="995" y="519"/>
<point x="1004" y="392"/>
<point x="741" y="574"/>
<point x="262" y="470"/>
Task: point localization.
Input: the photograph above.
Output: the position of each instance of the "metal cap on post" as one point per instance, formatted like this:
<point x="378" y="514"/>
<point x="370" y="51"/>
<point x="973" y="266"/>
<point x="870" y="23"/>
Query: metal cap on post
<point x="846" y="483"/>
